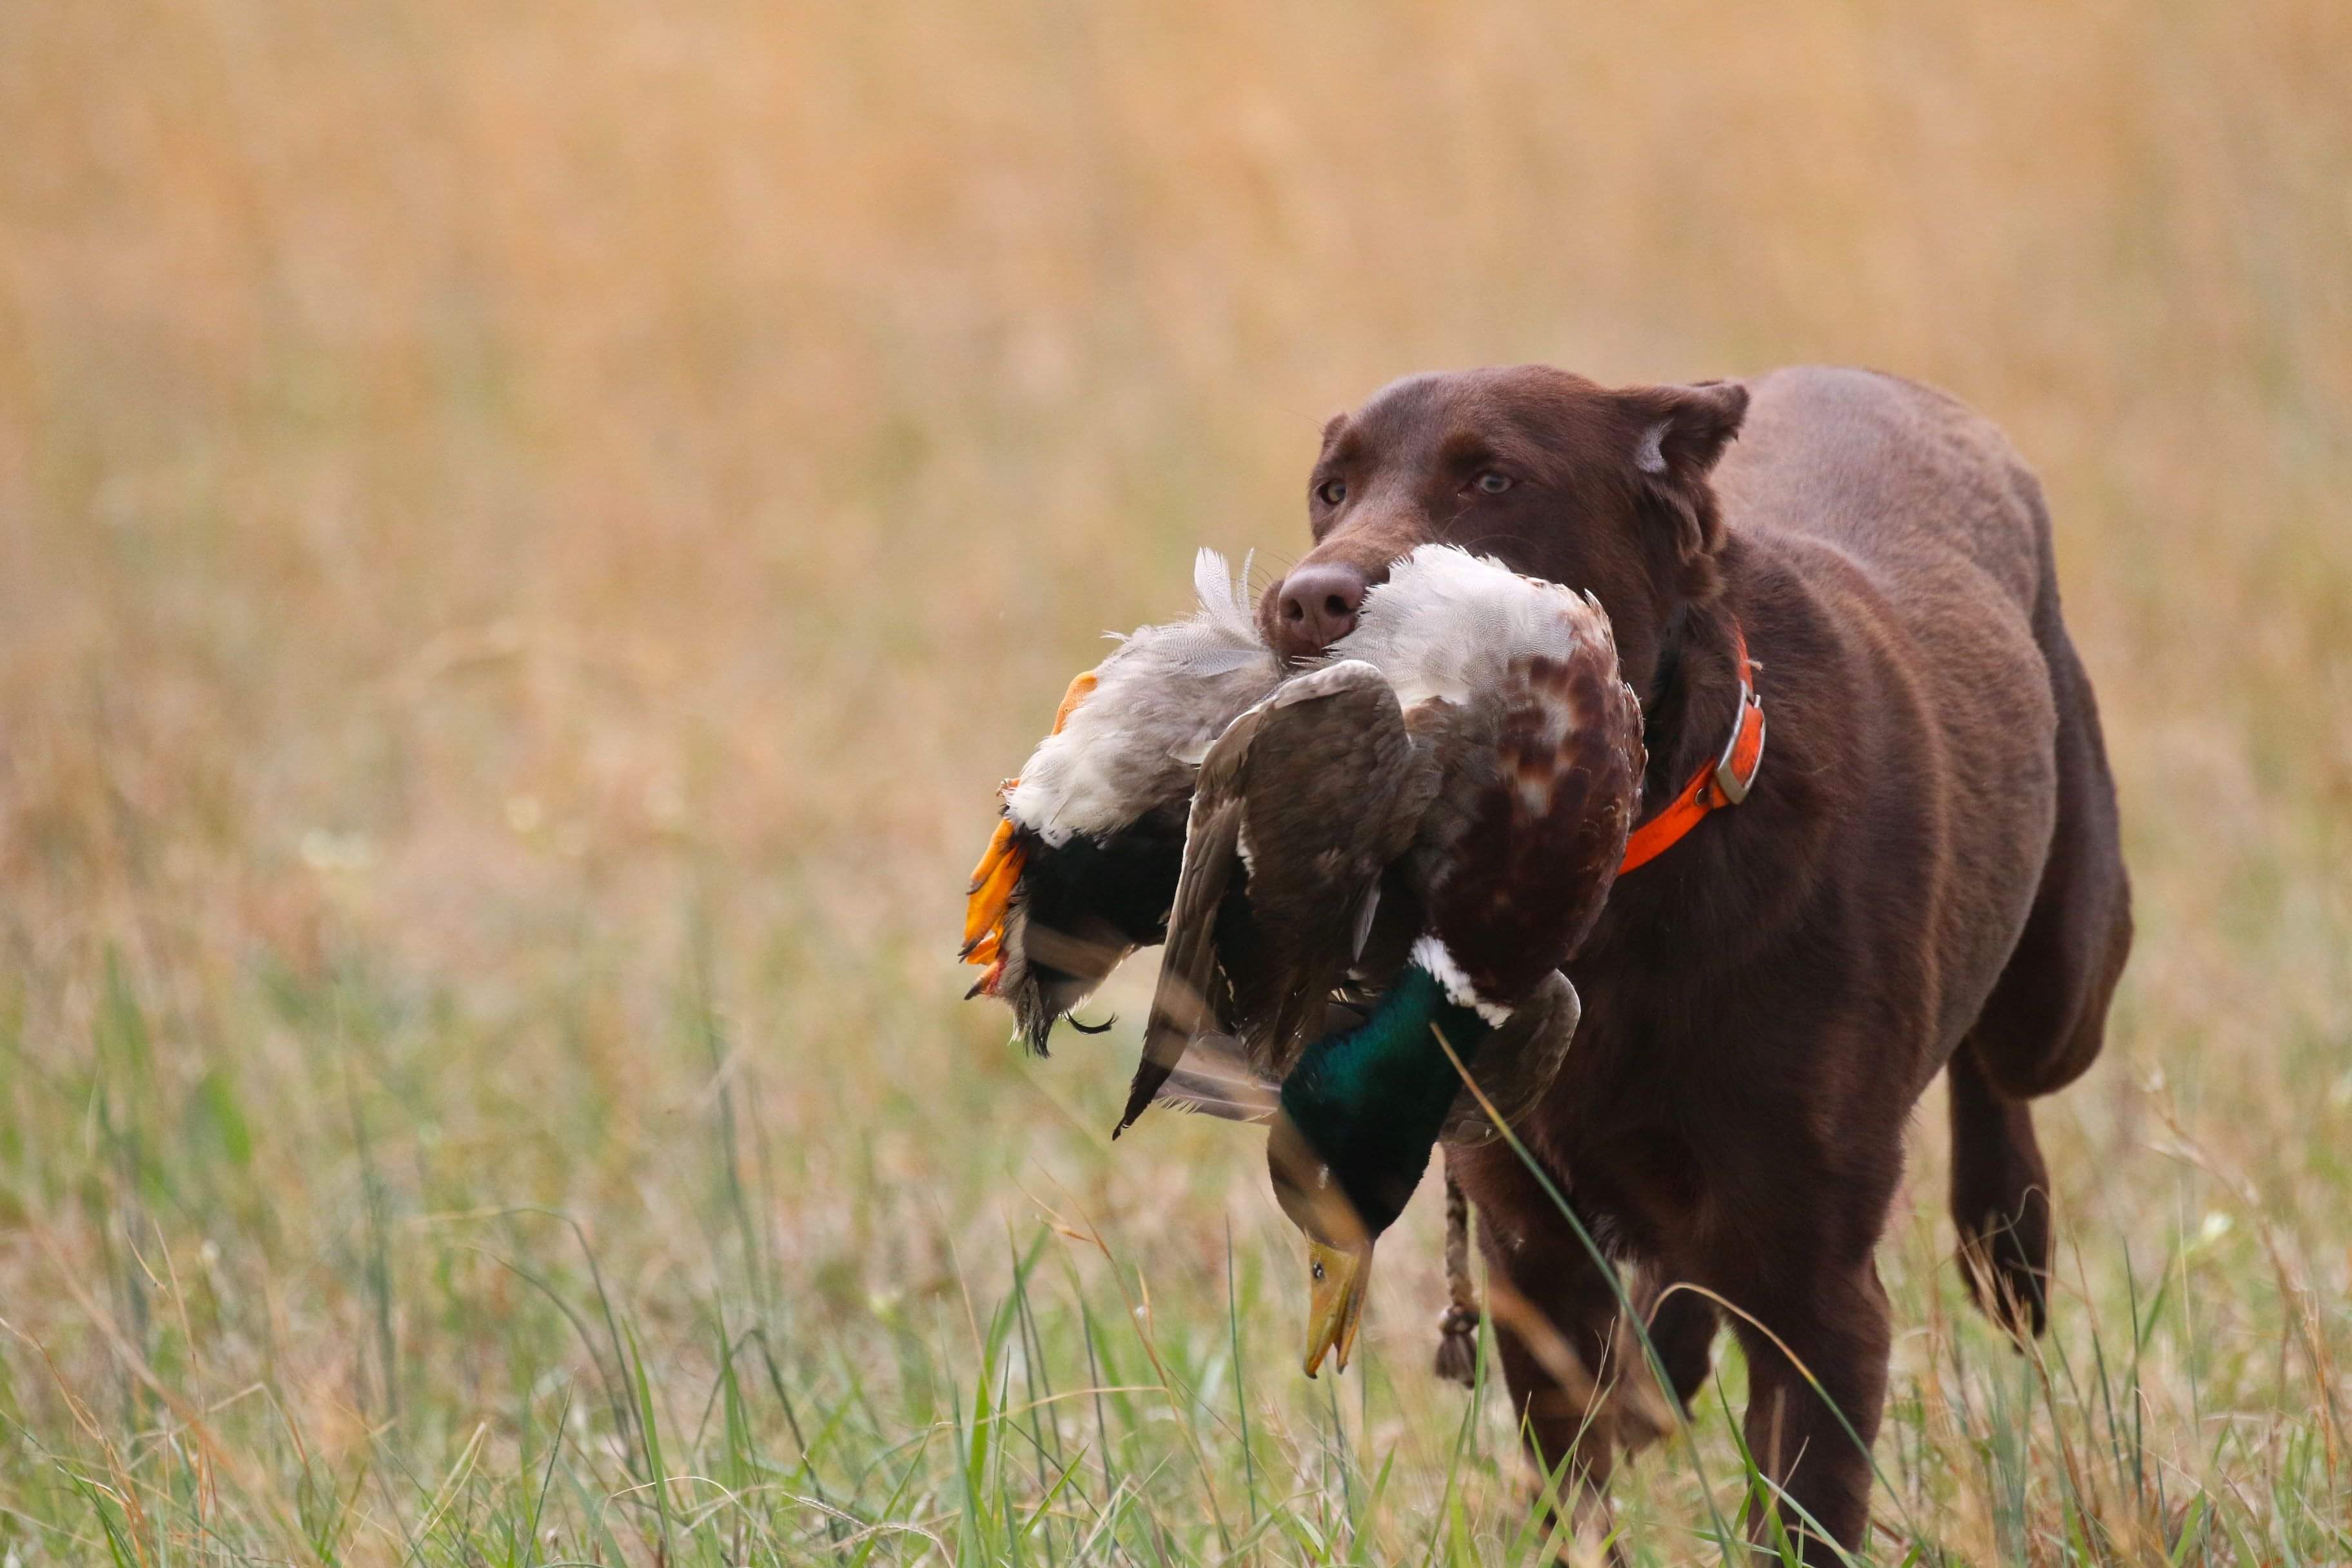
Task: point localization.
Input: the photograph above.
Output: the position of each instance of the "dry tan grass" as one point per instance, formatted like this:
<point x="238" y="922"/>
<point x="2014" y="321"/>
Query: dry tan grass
<point x="527" y="533"/>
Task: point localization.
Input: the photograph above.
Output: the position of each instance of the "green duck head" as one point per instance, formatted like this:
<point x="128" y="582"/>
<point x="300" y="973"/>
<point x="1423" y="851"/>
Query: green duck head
<point x="1359" y="1113"/>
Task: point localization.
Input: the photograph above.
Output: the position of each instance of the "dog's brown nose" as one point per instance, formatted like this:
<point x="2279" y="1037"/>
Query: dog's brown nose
<point x="1318" y="607"/>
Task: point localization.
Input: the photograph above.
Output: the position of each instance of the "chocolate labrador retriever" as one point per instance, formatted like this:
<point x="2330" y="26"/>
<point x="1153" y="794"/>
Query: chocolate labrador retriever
<point x="1925" y="875"/>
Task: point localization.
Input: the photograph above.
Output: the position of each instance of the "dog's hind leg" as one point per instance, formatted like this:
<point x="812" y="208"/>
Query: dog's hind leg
<point x="2046" y="1018"/>
<point x="1682" y="1327"/>
<point x="2001" y="1200"/>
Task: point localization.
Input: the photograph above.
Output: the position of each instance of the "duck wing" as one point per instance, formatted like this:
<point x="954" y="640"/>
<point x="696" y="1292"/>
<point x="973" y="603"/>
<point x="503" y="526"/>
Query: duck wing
<point x="1182" y="1003"/>
<point x="1304" y="801"/>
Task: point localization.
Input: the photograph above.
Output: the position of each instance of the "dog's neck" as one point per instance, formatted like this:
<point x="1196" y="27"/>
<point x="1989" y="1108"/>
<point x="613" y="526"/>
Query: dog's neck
<point x="1694" y="690"/>
<point x="1665" y="676"/>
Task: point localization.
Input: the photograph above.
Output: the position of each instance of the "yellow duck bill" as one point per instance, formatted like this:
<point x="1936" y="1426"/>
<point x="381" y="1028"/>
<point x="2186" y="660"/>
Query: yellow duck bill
<point x="1337" y="1278"/>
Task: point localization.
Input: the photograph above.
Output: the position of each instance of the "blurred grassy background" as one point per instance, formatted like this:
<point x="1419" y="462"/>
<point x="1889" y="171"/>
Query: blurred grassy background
<point x="529" y="532"/>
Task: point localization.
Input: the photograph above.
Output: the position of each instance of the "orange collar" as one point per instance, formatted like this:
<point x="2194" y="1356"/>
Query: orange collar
<point x="1724" y="782"/>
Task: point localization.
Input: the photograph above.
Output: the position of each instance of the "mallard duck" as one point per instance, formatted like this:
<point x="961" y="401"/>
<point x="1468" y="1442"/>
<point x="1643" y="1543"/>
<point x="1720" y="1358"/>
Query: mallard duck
<point x="1082" y="868"/>
<point x="1500" y="820"/>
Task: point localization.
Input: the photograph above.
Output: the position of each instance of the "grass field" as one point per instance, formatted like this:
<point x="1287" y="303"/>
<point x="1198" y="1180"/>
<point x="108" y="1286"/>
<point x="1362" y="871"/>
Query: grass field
<point x="529" y="533"/>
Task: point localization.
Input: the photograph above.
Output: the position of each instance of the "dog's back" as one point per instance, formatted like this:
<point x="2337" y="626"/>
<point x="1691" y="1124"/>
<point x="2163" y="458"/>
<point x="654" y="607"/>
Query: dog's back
<point x="1916" y="518"/>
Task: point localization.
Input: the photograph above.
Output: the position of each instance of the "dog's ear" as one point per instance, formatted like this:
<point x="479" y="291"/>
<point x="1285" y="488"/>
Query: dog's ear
<point x="1679" y="432"/>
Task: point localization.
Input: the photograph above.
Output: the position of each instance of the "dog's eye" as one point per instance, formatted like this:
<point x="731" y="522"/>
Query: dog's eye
<point x="1331" y="492"/>
<point x="1494" y="483"/>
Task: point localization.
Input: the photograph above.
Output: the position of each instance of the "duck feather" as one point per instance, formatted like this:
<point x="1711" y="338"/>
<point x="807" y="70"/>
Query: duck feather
<point x="1159" y="702"/>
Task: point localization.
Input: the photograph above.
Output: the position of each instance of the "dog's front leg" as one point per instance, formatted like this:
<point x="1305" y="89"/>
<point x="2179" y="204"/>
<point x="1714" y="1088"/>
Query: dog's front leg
<point x="1816" y="1458"/>
<point x="1577" y="1377"/>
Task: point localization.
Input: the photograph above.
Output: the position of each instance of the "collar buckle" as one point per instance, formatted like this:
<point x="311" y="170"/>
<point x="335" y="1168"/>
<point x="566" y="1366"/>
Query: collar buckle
<point x="1743" y="753"/>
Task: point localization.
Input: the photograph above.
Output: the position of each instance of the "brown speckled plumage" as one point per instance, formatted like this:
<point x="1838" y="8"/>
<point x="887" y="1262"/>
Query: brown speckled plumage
<point x="1518" y="855"/>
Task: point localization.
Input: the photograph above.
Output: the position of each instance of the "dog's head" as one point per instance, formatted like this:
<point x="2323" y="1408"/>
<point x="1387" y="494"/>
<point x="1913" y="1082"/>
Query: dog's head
<point x="1603" y="490"/>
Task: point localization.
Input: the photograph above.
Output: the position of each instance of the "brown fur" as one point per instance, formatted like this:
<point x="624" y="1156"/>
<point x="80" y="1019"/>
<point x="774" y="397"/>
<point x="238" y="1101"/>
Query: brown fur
<point x="1928" y="876"/>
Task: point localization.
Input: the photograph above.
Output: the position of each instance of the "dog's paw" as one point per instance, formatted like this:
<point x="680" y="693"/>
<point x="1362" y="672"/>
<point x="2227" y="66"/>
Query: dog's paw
<point x="2005" y="1260"/>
